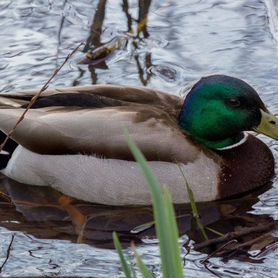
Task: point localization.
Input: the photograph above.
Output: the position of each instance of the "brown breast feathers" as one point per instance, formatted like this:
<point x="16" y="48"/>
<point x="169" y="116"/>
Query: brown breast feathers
<point x="245" y="167"/>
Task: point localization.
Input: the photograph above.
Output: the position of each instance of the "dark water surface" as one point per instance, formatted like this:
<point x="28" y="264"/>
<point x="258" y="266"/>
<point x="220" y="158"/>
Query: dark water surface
<point x="184" y="41"/>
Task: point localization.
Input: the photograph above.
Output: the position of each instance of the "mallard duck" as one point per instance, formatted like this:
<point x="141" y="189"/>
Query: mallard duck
<point x="72" y="140"/>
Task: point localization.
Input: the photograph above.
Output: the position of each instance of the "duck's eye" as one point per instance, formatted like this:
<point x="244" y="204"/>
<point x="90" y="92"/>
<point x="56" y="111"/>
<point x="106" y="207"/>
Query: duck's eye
<point x="233" y="102"/>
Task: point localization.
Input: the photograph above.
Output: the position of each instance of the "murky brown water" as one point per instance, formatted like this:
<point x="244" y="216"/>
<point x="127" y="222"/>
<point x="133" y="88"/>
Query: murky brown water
<point x="184" y="40"/>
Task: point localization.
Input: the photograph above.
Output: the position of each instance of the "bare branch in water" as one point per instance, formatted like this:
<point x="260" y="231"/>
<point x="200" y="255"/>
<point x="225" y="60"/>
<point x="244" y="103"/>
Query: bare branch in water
<point x="8" y="252"/>
<point x="233" y="235"/>
<point x="35" y="97"/>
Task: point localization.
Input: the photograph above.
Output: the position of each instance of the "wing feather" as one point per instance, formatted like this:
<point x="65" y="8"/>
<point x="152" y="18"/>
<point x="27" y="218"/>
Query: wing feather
<point x="91" y="119"/>
<point x="132" y="95"/>
<point x="54" y="130"/>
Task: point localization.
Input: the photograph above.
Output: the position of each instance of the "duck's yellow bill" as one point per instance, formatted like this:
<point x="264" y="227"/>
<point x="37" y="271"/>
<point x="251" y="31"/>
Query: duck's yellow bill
<point x="268" y="125"/>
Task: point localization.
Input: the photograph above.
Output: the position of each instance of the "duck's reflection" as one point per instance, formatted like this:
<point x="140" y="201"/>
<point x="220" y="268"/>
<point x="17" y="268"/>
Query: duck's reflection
<point x="47" y="213"/>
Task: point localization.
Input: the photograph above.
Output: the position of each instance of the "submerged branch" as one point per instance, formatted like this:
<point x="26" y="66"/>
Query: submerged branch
<point x="233" y="235"/>
<point x="8" y="252"/>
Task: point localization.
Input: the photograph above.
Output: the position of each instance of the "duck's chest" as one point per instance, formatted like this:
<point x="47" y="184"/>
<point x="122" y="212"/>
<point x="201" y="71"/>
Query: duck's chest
<point x="246" y="167"/>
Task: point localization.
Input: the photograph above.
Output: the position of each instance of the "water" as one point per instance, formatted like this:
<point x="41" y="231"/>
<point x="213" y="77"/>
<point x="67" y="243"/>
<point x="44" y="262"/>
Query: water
<point x="185" y="42"/>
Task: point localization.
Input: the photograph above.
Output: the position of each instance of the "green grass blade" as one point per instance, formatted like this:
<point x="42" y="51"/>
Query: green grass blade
<point x="174" y="235"/>
<point x="194" y="208"/>
<point x="195" y="212"/>
<point x="142" y="267"/>
<point x="143" y="227"/>
<point x="165" y="222"/>
<point x="125" y="265"/>
<point x="214" y="231"/>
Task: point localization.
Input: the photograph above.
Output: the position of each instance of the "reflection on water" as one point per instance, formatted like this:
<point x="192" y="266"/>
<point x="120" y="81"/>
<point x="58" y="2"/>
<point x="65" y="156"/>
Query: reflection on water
<point x="169" y="49"/>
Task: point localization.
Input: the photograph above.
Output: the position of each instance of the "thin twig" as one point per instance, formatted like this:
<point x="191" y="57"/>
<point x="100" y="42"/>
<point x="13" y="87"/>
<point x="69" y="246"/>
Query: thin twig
<point x="36" y="96"/>
<point x="8" y="252"/>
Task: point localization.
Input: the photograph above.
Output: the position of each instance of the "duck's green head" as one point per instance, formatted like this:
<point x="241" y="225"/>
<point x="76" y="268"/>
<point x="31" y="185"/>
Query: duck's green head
<point x="219" y="108"/>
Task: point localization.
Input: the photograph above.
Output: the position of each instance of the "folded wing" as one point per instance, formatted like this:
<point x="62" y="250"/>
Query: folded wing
<point x="91" y="120"/>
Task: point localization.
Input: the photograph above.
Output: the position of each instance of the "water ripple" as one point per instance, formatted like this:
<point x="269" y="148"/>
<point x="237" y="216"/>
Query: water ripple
<point x="185" y="42"/>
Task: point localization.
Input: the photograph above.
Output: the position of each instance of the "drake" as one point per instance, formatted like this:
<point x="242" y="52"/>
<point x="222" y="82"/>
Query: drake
<point x="72" y="139"/>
